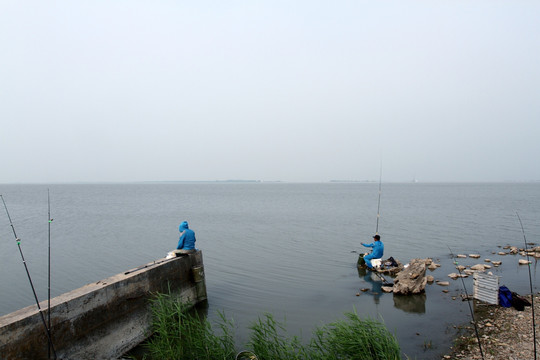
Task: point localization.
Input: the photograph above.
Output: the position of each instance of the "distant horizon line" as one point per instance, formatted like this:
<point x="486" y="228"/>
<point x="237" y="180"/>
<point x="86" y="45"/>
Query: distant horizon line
<point x="250" y="181"/>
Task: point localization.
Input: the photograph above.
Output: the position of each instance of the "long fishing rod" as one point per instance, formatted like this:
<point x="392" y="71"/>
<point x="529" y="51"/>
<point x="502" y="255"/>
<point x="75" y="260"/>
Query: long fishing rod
<point x="379" y="202"/>
<point x="470" y="307"/>
<point x="148" y="265"/>
<point x="49" y="270"/>
<point x="29" y="278"/>
<point x="530" y="283"/>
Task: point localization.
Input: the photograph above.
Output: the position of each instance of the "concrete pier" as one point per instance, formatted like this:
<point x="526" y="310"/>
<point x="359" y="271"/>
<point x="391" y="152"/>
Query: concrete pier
<point x="105" y="319"/>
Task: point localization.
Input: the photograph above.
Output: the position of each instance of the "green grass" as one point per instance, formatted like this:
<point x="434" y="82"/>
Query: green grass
<point x="183" y="334"/>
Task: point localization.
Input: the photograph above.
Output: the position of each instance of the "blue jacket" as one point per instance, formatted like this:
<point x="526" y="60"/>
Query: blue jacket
<point x="187" y="237"/>
<point x="378" y="249"/>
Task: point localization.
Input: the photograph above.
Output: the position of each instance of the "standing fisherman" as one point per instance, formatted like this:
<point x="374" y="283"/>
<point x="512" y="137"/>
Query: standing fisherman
<point x="377" y="253"/>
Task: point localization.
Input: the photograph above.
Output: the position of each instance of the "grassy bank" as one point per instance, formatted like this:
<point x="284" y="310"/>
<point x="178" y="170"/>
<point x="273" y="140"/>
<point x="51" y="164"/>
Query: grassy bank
<point x="182" y="334"/>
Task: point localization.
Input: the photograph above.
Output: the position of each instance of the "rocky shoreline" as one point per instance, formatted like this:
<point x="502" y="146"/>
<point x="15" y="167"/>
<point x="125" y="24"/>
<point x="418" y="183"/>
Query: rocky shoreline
<point x="505" y="333"/>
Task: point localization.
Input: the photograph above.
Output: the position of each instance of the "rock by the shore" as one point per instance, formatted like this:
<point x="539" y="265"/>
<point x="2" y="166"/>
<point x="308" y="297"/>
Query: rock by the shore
<point x="454" y="276"/>
<point x="411" y="280"/>
<point x="478" y="267"/>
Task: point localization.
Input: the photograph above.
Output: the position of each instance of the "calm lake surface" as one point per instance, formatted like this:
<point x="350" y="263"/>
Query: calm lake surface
<point x="282" y="248"/>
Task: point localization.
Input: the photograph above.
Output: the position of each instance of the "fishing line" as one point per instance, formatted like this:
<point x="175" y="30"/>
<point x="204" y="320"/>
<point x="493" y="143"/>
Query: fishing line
<point x="530" y="283"/>
<point x="29" y="278"/>
<point x="468" y="302"/>
<point x="49" y="270"/>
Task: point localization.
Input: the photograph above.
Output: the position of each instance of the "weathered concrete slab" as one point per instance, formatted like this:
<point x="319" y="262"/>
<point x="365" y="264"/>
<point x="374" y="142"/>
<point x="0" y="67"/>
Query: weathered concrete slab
<point x="105" y="319"/>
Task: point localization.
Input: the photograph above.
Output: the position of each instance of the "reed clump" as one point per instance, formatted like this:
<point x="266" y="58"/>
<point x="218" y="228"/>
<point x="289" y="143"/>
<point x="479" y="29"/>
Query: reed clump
<point x="182" y="334"/>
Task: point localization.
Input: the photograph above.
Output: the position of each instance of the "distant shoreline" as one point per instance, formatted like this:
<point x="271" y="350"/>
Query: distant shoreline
<point x="241" y="181"/>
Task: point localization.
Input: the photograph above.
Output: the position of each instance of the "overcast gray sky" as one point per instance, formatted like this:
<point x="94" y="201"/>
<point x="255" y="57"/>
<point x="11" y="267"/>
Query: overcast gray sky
<point x="271" y="90"/>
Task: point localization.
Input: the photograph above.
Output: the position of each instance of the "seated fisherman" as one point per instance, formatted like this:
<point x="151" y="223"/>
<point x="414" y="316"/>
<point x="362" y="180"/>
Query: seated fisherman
<point x="186" y="243"/>
<point x="377" y="253"/>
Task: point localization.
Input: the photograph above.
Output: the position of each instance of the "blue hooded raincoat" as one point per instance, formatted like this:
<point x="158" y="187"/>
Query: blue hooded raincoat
<point x="187" y="237"/>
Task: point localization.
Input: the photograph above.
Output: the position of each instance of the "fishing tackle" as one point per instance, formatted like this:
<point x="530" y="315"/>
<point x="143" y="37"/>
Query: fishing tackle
<point x="470" y="307"/>
<point x="530" y="284"/>
<point x="29" y="278"/>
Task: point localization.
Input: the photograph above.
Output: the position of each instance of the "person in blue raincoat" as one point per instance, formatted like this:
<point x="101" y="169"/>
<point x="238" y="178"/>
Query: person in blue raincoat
<point x="377" y="253"/>
<point x="186" y="243"/>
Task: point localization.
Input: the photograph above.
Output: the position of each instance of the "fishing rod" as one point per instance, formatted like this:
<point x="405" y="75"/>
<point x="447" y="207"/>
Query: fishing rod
<point x="379" y="202"/>
<point x="49" y="270"/>
<point x="29" y="278"/>
<point x="147" y="266"/>
<point x="530" y="283"/>
<point x="383" y="279"/>
<point x="470" y="307"/>
<point x="386" y="282"/>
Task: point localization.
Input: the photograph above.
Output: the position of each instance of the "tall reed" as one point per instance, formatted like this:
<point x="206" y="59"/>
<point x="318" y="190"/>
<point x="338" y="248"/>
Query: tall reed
<point x="351" y="338"/>
<point x="179" y="333"/>
<point x="355" y="338"/>
<point x="269" y="341"/>
<point x="182" y="334"/>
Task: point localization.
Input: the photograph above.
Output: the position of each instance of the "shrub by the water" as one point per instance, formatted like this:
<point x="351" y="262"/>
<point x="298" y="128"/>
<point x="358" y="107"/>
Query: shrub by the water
<point x="182" y="334"/>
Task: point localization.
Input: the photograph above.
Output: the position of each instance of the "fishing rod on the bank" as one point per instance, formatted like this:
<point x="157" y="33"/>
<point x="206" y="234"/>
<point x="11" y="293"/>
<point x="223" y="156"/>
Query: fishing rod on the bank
<point x="29" y="278"/>
<point x="530" y="283"/>
<point x="49" y="271"/>
<point x="468" y="302"/>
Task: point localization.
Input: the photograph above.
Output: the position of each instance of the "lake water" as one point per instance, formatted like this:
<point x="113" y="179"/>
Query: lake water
<point x="282" y="248"/>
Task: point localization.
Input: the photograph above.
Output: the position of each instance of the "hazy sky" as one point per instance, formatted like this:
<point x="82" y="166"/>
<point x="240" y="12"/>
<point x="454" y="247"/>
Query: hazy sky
<point x="270" y="90"/>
